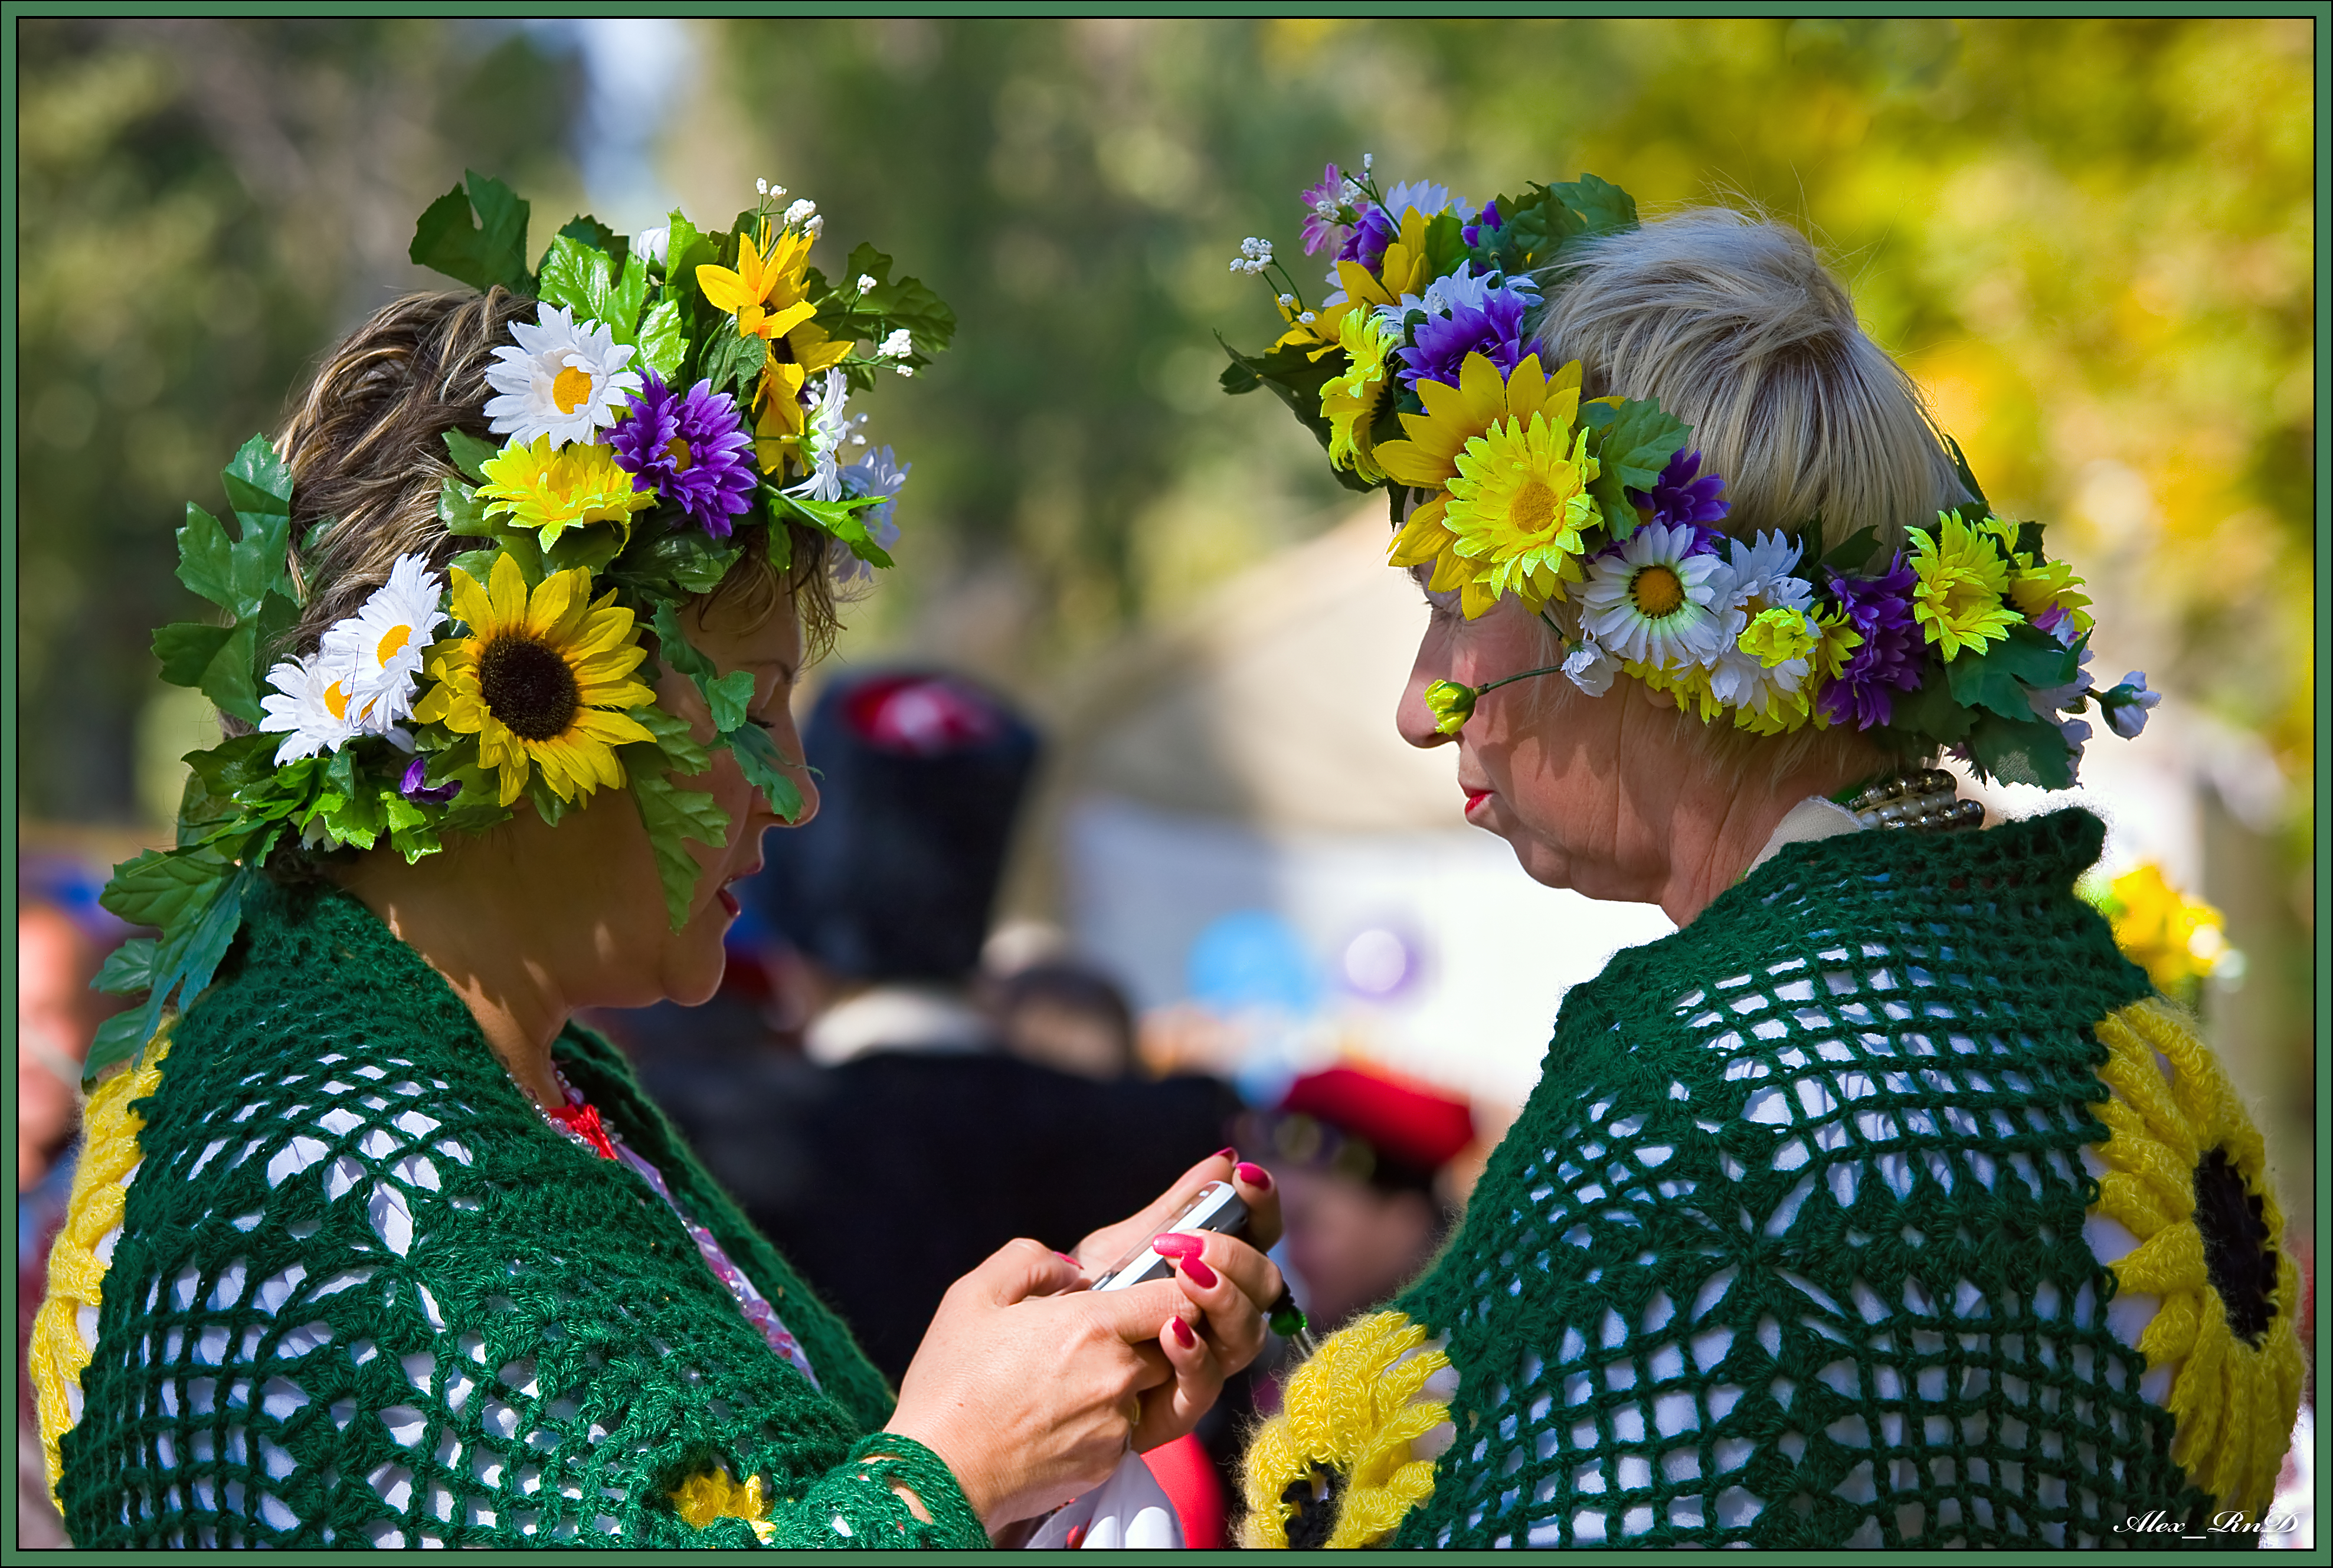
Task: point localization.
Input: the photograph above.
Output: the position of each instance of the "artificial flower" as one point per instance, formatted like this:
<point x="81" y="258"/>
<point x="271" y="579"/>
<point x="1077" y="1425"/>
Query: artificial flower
<point x="1743" y="677"/>
<point x="1349" y="401"/>
<point x="767" y="290"/>
<point x="1402" y="270"/>
<point x="310" y="706"/>
<point x="553" y="489"/>
<point x="1328" y="211"/>
<point x="415" y="786"/>
<point x="565" y="380"/>
<point x="1519" y="504"/>
<point x="542" y="679"/>
<point x="878" y="473"/>
<point x="780" y="421"/>
<point x="2049" y="595"/>
<point x="1678" y="496"/>
<point x="1464" y="315"/>
<point x="1654" y="600"/>
<point x="2128" y="704"/>
<point x="2184" y="1172"/>
<point x="692" y="450"/>
<point x="1451" y="703"/>
<point x="1961" y="578"/>
<point x="1589" y="665"/>
<point x="1886" y="658"/>
<point x="382" y="645"/>
<point x="1377" y="226"/>
<point x="651" y="243"/>
<point x="832" y="428"/>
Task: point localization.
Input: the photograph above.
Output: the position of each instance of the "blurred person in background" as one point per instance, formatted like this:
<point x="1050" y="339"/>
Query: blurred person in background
<point x="57" y="1013"/>
<point x="1061" y="1013"/>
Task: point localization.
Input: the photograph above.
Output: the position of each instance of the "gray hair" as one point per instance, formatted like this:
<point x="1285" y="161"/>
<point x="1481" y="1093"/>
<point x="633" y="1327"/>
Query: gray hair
<point x="1737" y="325"/>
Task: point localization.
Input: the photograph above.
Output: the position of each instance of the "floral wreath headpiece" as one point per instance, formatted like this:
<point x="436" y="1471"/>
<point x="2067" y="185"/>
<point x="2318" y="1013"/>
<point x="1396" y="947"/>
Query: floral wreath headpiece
<point x="679" y="393"/>
<point x="1417" y="373"/>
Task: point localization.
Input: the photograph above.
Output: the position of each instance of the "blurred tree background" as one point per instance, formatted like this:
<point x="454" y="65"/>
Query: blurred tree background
<point x="2091" y="241"/>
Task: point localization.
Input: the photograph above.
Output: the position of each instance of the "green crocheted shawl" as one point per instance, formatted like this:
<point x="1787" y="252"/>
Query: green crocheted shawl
<point x="363" y="1293"/>
<point x="1786" y="1248"/>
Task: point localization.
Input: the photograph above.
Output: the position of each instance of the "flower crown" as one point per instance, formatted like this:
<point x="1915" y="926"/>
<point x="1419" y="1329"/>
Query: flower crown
<point x="1417" y="373"/>
<point x="678" y="395"/>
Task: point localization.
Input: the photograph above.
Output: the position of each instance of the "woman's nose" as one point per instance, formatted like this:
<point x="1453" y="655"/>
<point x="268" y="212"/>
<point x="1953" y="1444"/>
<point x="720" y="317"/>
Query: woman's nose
<point x="1412" y="717"/>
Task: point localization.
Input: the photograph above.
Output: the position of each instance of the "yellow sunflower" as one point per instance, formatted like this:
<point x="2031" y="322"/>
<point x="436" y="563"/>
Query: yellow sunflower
<point x="552" y="491"/>
<point x="1349" y="401"/>
<point x="1962" y="579"/>
<point x="541" y="680"/>
<point x="1428" y="459"/>
<point x="2186" y="1174"/>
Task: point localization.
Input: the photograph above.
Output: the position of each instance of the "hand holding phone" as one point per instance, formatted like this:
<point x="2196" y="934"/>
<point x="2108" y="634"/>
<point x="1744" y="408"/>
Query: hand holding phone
<point x="1217" y="1206"/>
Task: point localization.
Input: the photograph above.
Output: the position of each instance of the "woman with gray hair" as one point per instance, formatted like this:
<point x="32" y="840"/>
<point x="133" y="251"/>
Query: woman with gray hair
<point x="1885" y="1202"/>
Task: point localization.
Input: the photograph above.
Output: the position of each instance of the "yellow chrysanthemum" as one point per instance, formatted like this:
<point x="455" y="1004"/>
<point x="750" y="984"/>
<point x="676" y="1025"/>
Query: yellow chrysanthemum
<point x="1962" y="578"/>
<point x="1349" y="401"/>
<point x="702" y="1499"/>
<point x="541" y="680"/>
<point x="1428" y="459"/>
<point x="2038" y="590"/>
<point x="1687" y="683"/>
<point x="1403" y="270"/>
<point x="2176" y="939"/>
<point x="553" y="491"/>
<point x="1519" y="504"/>
<point x="2186" y="1175"/>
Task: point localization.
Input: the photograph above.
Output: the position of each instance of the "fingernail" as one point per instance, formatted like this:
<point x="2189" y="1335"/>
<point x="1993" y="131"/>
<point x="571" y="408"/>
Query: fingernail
<point x="1175" y="1244"/>
<point x="1254" y="1175"/>
<point x="1225" y="1153"/>
<point x="1183" y="1334"/>
<point x="1198" y="1272"/>
<point x="1066" y="1259"/>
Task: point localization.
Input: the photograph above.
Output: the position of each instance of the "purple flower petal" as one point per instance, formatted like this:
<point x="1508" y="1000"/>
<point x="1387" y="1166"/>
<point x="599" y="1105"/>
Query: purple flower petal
<point x="1441" y="344"/>
<point x="693" y="450"/>
<point x="1678" y="497"/>
<point x="413" y="789"/>
<point x="1888" y="661"/>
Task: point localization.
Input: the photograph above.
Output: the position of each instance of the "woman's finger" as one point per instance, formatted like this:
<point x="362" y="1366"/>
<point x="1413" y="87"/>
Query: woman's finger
<point x="1019" y="1269"/>
<point x="1174" y="1409"/>
<point x="1256" y="1189"/>
<point x="1233" y="1284"/>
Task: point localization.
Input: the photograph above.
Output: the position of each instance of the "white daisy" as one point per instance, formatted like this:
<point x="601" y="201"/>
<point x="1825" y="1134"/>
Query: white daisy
<point x="566" y="379"/>
<point x="1762" y="581"/>
<point x="830" y="429"/>
<point x="310" y="707"/>
<point x="1464" y="289"/>
<point x="1427" y="197"/>
<point x="1649" y="602"/>
<point x="382" y="643"/>
<point x="879" y="472"/>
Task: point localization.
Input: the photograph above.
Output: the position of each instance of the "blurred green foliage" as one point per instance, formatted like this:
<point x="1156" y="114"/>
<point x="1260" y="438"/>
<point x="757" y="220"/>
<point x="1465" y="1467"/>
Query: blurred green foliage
<point x="2092" y="240"/>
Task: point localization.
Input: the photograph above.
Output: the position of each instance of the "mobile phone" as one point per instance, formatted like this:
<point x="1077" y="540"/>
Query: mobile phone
<point x="1217" y="1206"/>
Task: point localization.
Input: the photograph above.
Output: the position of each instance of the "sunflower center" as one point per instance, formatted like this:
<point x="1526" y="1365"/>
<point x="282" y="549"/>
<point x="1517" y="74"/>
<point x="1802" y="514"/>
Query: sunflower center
<point x="677" y="451"/>
<point x="392" y="643"/>
<point x="1533" y="507"/>
<point x="1656" y="591"/>
<point x="528" y="686"/>
<point x="2239" y="1255"/>
<point x="570" y="388"/>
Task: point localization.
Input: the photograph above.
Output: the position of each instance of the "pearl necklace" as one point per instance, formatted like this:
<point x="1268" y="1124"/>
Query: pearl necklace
<point x="1922" y="799"/>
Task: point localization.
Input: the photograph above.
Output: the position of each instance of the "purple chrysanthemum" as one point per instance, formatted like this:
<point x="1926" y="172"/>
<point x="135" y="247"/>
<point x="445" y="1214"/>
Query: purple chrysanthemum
<point x="1486" y="223"/>
<point x="1322" y="204"/>
<point x="692" y="450"/>
<point x="1888" y="661"/>
<point x="1678" y="497"/>
<point x="1371" y="233"/>
<point x="1495" y="329"/>
<point x="412" y="787"/>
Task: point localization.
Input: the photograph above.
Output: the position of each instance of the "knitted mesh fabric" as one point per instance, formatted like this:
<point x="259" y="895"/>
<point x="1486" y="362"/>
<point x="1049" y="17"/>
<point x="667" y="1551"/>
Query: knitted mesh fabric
<point x="364" y="1294"/>
<point x="1787" y="1247"/>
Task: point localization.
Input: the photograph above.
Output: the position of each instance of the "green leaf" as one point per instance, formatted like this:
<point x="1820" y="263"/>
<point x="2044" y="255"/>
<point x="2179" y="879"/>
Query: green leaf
<point x="839" y="518"/>
<point x="1601" y="208"/>
<point x="673" y="644"/>
<point x="206" y="559"/>
<point x="680" y="563"/>
<point x="1931" y="711"/>
<point x="578" y="277"/>
<point x="592" y="546"/>
<point x="259" y="488"/>
<point x="118" y="1039"/>
<point x="2030" y="751"/>
<point x="675" y="739"/>
<point x="731" y="362"/>
<point x="409" y="830"/>
<point x="1632" y="449"/>
<point x="217" y="660"/>
<point x="187" y="650"/>
<point x="1296" y="378"/>
<point x="470" y="456"/>
<point x="661" y="344"/>
<point x="489" y="251"/>
<point x="1968" y="478"/>
<point x="757" y="758"/>
<point x="1853" y="553"/>
<point x="1534" y="226"/>
<point x="672" y="816"/>
<point x="127" y="969"/>
<point x="2000" y="678"/>
<point x="1445" y="245"/>
<point x="729" y="697"/>
<point x="591" y="232"/>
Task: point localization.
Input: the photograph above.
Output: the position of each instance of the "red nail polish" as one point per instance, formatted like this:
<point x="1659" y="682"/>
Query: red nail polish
<point x="1183" y="1334"/>
<point x="1198" y="1272"/>
<point x="1225" y="1153"/>
<point x="1254" y="1175"/>
<point x="1066" y="1259"/>
<point x="1175" y="1244"/>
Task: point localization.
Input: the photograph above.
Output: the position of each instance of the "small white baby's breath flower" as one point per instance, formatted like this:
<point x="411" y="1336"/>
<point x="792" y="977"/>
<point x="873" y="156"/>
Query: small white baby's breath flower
<point x="897" y="346"/>
<point x="866" y="284"/>
<point x="800" y="213"/>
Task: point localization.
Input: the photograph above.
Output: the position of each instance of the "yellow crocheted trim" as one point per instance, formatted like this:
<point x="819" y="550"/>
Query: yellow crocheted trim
<point x="702" y="1499"/>
<point x="1350" y="1409"/>
<point x="57" y="1356"/>
<point x="2234" y="1401"/>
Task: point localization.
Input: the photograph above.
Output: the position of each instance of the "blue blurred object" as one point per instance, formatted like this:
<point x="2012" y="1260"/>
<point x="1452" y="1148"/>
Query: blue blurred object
<point x="72" y="884"/>
<point x="1252" y="958"/>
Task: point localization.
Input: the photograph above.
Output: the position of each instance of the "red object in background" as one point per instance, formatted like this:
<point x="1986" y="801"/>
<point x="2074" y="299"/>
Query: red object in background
<point x="1187" y="1476"/>
<point x="1421" y="1127"/>
<point x="921" y="714"/>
